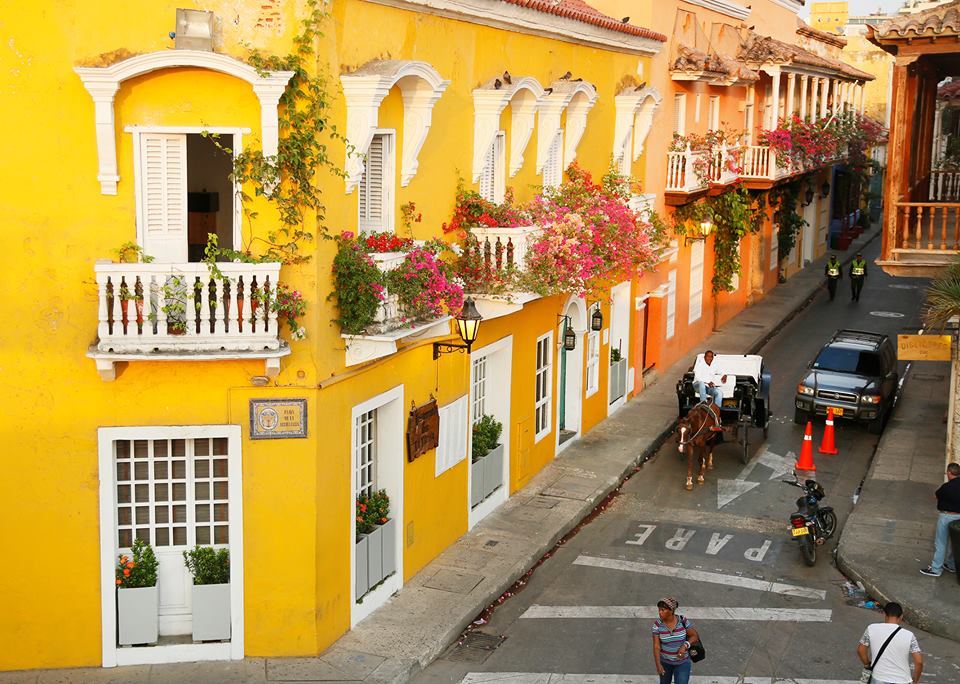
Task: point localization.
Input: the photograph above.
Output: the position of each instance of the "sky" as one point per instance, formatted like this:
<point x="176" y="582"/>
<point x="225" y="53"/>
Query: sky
<point x="860" y="6"/>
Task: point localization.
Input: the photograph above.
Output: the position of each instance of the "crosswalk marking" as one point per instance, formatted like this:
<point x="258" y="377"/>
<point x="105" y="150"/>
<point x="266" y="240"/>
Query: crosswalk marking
<point x="554" y="678"/>
<point x="695" y="613"/>
<point x="702" y="576"/>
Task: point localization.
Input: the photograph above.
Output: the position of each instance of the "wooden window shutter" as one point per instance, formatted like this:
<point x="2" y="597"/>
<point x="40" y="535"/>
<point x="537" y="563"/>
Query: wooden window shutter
<point x="488" y="177"/>
<point x="552" y="168"/>
<point x="163" y="195"/>
<point x="453" y="435"/>
<point x="372" y="187"/>
<point x="679" y="113"/>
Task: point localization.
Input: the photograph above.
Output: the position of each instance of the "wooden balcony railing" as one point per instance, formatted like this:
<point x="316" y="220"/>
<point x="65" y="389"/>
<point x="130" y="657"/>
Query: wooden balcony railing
<point x="927" y="227"/>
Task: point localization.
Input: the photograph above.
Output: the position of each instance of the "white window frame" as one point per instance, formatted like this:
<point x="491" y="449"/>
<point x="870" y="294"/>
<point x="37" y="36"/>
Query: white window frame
<point x="697" y="274"/>
<point x="714" y="113"/>
<point x="478" y="388"/>
<point x="748" y="121"/>
<point x="452" y="443"/>
<point x="497" y="158"/>
<point x="112" y="655"/>
<point x="680" y="113"/>
<point x="671" y="321"/>
<point x="236" y="145"/>
<point x="544" y="402"/>
<point x="388" y="213"/>
<point x="553" y="166"/>
<point x="369" y="487"/>
<point x="593" y="363"/>
<point x="696" y="108"/>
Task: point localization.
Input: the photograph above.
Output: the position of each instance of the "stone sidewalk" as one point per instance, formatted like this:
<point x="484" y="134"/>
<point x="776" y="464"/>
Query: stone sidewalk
<point x="889" y="535"/>
<point x="436" y="605"/>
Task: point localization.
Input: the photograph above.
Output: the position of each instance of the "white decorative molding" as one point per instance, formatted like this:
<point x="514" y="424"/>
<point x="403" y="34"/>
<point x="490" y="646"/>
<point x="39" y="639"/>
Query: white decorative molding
<point x="635" y="110"/>
<point x="731" y="9"/>
<point x="793" y="5"/>
<point x="363" y="348"/>
<point x="364" y="89"/>
<point x="524" y="95"/>
<point x="103" y="83"/>
<point x="574" y="97"/>
<point x="534" y="22"/>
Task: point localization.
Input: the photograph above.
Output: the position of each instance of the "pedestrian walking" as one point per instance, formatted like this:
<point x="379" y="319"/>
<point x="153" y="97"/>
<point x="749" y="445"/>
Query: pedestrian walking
<point x="858" y="272"/>
<point x="886" y="650"/>
<point x="672" y="636"/>
<point x="833" y="271"/>
<point x="948" y="505"/>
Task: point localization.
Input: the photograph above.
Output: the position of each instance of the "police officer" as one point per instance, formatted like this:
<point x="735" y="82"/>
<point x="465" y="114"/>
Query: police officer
<point x="834" y="273"/>
<point x="858" y="271"/>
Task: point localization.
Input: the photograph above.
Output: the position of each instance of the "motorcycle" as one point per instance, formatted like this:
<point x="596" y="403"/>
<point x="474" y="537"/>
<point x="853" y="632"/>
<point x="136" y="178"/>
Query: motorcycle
<point x="812" y="524"/>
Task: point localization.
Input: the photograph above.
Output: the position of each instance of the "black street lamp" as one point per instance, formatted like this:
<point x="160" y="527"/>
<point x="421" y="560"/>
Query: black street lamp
<point x="569" y="336"/>
<point x="468" y="326"/>
<point x="596" y="320"/>
<point x="825" y="189"/>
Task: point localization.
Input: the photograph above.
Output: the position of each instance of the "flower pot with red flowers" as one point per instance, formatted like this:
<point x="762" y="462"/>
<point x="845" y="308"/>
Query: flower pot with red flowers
<point x="376" y="542"/>
<point x="138" y="599"/>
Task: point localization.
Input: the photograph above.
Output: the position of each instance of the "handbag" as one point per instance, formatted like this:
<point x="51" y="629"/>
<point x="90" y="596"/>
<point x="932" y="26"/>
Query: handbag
<point x="696" y="651"/>
<point x="867" y="673"/>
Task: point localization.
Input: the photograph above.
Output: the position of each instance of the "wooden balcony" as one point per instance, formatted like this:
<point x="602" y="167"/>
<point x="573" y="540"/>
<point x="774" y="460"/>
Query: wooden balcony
<point x="921" y="238"/>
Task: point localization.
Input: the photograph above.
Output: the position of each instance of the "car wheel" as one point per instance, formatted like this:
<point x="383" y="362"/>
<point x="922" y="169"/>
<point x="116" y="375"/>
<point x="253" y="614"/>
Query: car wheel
<point x="800" y="417"/>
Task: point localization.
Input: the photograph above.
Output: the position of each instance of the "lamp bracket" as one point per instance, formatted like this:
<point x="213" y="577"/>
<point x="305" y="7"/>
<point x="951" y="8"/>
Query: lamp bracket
<point x="447" y="348"/>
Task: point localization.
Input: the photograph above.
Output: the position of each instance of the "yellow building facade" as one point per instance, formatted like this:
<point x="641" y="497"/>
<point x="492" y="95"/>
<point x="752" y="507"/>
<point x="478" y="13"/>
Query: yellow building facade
<point x="157" y="396"/>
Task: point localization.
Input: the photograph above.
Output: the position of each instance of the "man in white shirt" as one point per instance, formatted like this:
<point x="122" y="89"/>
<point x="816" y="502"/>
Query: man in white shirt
<point x="706" y="380"/>
<point x="893" y="666"/>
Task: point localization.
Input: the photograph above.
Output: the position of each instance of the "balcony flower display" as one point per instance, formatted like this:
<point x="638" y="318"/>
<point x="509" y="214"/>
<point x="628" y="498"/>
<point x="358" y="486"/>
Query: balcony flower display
<point x="472" y="210"/>
<point x="809" y="144"/>
<point x="384" y="282"/>
<point x="590" y="237"/>
<point x="715" y="153"/>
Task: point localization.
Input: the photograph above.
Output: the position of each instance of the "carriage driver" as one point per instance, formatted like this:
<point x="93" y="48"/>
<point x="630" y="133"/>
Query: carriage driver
<point x="705" y="379"/>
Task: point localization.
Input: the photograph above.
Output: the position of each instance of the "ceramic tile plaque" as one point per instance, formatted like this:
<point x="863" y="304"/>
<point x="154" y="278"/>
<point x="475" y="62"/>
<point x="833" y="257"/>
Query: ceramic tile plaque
<point x="278" y="418"/>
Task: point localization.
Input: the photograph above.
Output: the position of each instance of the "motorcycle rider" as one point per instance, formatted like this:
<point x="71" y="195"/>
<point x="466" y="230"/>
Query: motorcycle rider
<point x="833" y="271"/>
<point x="858" y="272"/>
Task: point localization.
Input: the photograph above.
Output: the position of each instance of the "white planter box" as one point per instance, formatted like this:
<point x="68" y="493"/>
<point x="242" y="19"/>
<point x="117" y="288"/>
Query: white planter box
<point x="361" y="580"/>
<point x="486" y="475"/>
<point x="618" y="379"/>
<point x="376" y="556"/>
<point x="211" y="612"/>
<point x="137" y="615"/>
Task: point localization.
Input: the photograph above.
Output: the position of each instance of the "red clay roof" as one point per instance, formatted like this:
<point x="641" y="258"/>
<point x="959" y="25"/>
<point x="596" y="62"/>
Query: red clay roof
<point x="940" y="20"/>
<point x="581" y="11"/>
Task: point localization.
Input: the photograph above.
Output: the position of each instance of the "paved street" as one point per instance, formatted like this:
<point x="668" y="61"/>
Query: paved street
<point x="721" y="550"/>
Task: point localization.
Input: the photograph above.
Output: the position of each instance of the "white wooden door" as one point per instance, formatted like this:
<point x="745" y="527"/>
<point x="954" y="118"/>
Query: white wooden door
<point x="172" y="493"/>
<point x="162" y="178"/>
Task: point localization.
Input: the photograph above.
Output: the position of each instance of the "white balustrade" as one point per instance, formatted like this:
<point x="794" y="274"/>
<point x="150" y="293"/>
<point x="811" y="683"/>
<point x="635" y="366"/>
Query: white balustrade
<point x="944" y="186"/>
<point x="681" y="174"/>
<point x="388" y="314"/>
<point x="758" y="160"/>
<point x="723" y="164"/>
<point x="503" y="248"/>
<point x="145" y="308"/>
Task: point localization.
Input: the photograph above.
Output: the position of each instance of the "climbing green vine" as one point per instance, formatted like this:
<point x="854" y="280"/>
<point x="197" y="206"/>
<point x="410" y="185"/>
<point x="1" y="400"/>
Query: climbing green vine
<point x="734" y="213"/>
<point x="288" y="179"/>
<point x="786" y="200"/>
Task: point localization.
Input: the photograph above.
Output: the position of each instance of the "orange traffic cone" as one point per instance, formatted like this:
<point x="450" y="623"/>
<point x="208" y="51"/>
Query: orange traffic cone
<point x="806" y="451"/>
<point x="828" y="446"/>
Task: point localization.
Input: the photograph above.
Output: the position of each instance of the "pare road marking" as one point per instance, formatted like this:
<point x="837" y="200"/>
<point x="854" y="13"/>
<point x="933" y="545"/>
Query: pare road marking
<point x="694" y="613"/>
<point x="555" y="678"/>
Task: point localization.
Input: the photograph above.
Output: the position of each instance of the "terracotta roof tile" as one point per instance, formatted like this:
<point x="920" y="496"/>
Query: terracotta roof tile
<point x="931" y="22"/>
<point x="756" y="50"/>
<point x="581" y="11"/>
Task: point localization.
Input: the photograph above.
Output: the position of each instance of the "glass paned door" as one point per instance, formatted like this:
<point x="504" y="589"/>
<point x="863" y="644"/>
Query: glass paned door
<point x="172" y="493"/>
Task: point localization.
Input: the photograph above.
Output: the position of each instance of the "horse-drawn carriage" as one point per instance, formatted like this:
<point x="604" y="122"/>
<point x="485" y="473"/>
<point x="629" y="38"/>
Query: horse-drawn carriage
<point x="746" y="395"/>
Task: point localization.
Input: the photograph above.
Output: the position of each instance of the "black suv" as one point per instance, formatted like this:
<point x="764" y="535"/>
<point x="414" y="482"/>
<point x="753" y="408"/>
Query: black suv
<point x="855" y="374"/>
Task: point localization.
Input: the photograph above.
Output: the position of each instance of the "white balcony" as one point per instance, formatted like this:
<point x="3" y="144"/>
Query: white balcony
<point x="179" y="312"/>
<point x="389" y="326"/>
<point x="723" y="163"/>
<point x="503" y="249"/>
<point x="682" y="175"/>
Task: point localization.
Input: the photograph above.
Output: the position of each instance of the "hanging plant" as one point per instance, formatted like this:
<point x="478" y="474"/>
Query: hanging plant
<point x="786" y="199"/>
<point x="288" y="179"/>
<point x="734" y="213"/>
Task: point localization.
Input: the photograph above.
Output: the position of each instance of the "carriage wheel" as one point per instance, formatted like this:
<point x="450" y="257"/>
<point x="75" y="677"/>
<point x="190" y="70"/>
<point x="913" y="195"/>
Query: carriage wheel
<point x="766" y="426"/>
<point x="745" y="456"/>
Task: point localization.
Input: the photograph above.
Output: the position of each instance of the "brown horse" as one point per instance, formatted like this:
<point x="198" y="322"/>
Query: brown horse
<point x="695" y="435"/>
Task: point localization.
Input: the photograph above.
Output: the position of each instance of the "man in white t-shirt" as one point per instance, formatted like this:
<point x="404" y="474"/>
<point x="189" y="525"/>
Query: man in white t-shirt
<point x="893" y="666"/>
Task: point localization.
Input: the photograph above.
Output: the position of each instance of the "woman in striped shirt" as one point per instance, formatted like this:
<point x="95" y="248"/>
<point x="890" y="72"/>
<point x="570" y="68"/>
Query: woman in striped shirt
<point x="672" y="635"/>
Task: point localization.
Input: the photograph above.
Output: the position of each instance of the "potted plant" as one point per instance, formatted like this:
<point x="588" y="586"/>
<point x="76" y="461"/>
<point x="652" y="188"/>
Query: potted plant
<point x="138" y="601"/>
<point x="211" y="592"/>
<point x="618" y="375"/>
<point x="376" y="541"/>
<point x="486" y="459"/>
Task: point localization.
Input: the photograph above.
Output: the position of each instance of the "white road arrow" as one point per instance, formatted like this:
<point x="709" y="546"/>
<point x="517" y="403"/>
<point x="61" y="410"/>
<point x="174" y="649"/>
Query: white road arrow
<point x="730" y="490"/>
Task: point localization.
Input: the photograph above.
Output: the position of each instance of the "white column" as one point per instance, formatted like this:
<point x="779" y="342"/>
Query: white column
<point x="863" y="97"/>
<point x="790" y="86"/>
<point x="824" y="93"/>
<point x="804" y="82"/>
<point x="814" y="99"/>
<point x="775" y="94"/>
<point x="836" y="95"/>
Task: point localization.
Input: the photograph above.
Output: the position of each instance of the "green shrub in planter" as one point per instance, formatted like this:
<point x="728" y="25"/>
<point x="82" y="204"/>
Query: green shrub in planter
<point x="614" y="356"/>
<point x="208" y="565"/>
<point x="486" y="436"/>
